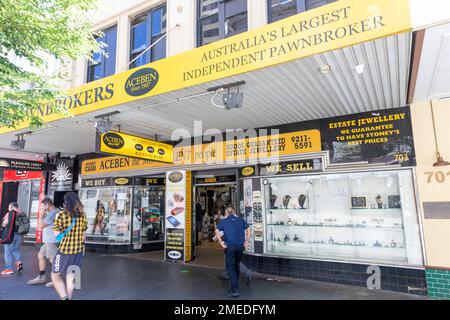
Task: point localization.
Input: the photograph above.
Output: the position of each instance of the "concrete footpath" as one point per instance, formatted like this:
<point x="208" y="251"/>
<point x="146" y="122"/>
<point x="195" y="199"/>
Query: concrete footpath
<point x="121" y="277"/>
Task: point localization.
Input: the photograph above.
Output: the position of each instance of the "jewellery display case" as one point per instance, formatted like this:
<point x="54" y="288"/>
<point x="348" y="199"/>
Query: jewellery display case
<point x="365" y="216"/>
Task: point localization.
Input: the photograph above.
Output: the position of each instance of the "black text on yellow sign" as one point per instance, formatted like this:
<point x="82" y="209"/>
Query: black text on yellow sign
<point x="119" y="143"/>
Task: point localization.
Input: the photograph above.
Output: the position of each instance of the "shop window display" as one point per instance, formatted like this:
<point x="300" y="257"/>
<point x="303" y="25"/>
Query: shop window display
<point x="108" y="213"/>
<point x="148" y="207"/>
<point x="367" y="217"/>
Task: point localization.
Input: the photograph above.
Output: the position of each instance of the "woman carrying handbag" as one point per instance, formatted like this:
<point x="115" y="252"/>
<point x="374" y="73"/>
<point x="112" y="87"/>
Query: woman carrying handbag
<point x="11" y="240"/>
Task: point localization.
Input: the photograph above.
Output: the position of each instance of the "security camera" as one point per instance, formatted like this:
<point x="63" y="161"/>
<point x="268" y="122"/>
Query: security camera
<point x="19" y="145"/>
<point x="103" y="126"/>
<point x="233" y="100"/>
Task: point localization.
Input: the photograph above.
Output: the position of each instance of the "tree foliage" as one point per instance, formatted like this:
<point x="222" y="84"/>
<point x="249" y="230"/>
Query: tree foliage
<point x="31" y="31"/>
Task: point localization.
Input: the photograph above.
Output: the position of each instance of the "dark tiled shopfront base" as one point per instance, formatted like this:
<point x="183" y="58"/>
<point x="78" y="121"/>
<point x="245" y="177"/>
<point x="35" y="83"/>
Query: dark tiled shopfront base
<point x="411" y="281"/>
<point x="101" y="248"/>
<point x="157" y="246"/>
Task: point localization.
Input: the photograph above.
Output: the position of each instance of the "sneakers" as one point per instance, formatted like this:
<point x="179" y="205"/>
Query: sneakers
<point x="7" y="272"/>
<point x="49" y="284"/>
<point x="19" y="266"/>
<point x="37" y="280"/>
<point x="233" y="294"/>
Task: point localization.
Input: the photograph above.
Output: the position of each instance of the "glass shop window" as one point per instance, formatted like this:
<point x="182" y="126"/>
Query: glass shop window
<point x="280" y="9"/>
<point x="369" y="217"/>
<point x="108" y="211"/>
<point x="219" y="19"/>
<point x="147" y="29"/>
<point x="101" y="65"/>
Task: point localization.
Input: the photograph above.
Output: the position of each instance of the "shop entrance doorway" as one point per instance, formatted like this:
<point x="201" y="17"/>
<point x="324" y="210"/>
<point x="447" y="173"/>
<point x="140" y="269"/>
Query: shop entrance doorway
<point x="212" y="193"/>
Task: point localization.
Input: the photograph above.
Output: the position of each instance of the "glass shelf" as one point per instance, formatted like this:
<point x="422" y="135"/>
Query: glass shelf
<point x="286" y="243"/>
<point x="288" y="209"/>
<point x="381" y="213"/>
<point x="362" y="228"/>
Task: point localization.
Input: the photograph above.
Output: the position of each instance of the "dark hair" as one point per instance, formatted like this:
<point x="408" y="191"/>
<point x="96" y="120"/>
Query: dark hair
<point x="14" y="204"/>
<point x="230" y="209"/>
<point x="48" y="202"/>
<point x="72" y="204"/>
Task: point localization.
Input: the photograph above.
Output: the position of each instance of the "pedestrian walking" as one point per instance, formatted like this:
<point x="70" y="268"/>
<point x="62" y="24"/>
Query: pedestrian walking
<point x="70" y="229"/>
<point x="12" y="240"/>
<point x="242" y="267"/>
<point x="236" y="234"/>
<point x="49" y="246"/>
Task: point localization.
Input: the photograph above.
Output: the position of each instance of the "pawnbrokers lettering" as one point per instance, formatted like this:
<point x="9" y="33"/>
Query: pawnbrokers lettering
<point x="79" y="99"/>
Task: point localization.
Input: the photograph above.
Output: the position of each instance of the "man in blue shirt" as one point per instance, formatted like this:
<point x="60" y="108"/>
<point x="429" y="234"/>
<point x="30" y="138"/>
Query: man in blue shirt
<point x="236" y="235"/>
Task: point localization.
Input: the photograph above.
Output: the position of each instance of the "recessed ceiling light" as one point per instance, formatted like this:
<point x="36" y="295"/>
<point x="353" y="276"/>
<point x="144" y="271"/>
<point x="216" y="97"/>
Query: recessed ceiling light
<point x="360" y="68"/>
<point x="326" y="68"/>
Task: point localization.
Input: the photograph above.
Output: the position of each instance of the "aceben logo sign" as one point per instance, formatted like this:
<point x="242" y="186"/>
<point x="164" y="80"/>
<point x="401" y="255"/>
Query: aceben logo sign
<point x="141" y="82"/>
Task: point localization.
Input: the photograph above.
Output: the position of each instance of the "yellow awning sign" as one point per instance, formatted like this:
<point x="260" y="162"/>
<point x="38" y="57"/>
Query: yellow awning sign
<point x="227" y="152"/>
<point x="339" y="24"/>
<point x="119" y="143"/>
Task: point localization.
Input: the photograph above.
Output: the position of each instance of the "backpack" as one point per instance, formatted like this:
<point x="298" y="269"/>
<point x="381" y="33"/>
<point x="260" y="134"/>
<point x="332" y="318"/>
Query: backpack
<point x="22" y="223"/>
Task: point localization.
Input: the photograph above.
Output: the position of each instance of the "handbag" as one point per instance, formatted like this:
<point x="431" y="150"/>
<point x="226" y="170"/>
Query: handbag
<point x="61" y="236"/>
<point x="7" y="233"/>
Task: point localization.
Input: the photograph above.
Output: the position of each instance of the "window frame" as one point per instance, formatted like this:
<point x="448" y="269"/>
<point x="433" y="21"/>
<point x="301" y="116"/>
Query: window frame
<point x="222" y="17"/>
<point x="300" y="5"/>
<point x="149" y="21"/>
<point x="103" y="58"/>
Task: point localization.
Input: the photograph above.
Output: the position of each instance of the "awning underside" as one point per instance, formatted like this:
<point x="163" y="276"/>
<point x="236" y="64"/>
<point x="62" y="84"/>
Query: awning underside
<point x="290" y="92"/>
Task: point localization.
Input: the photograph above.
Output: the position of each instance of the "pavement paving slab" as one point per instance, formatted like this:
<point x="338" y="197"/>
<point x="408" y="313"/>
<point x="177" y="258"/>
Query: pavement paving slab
<point x="123" y="277"/>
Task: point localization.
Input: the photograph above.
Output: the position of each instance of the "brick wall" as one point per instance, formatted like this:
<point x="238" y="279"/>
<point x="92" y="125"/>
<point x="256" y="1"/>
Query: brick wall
<point x="438" y="282"/>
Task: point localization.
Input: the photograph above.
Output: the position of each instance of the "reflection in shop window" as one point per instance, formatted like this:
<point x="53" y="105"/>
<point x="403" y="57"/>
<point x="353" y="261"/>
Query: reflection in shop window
<point x="221" y="19"/>
<point x="101" y="65"/>
<point x="108" y="211"/>
<point x="146" y="29"/>
<point x="148" y="210"/>
<point x="236" y="24"/>
<point x="280" y="9"/>
<point x="209" y="30"/>
<point x="34" y="207"/>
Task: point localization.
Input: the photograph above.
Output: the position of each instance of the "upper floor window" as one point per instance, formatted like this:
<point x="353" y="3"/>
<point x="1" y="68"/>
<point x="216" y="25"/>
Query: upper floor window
<point x="280" y="9"/>
<point x="219" y="19"/>
<point x="146" y="29"/>
<point x="103" y="66"/>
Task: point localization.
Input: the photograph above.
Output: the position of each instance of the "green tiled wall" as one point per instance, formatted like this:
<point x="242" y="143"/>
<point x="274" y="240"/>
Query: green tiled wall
<point x="438" y="283"/>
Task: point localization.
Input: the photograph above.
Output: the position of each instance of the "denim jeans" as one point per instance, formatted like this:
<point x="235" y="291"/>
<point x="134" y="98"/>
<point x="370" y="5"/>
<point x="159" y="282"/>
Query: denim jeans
<point x="12" y="251"/>
<point x="233" y="256"/>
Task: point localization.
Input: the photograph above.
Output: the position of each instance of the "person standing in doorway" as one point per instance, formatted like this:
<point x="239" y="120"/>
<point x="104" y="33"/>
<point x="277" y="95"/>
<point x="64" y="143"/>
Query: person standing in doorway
<point x="198" y="221"/>
<point x="70" y="228"/>
<point x="49" y="246"/>
<point x="14" y="240"/>
<point x="236" y="235"/>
